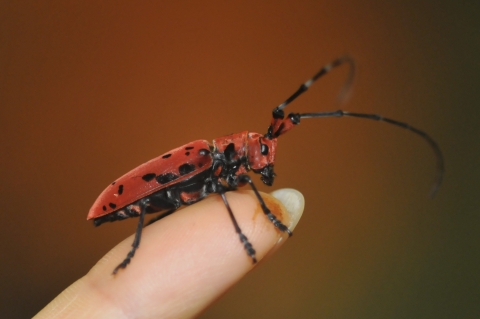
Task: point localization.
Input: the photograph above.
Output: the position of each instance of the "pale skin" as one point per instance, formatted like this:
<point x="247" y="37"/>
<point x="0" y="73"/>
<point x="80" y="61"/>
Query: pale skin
<point x="185" y="262"/>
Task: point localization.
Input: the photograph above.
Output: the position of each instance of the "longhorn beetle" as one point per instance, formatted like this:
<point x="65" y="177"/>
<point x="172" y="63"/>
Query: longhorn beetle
<point x="189" y="173"/>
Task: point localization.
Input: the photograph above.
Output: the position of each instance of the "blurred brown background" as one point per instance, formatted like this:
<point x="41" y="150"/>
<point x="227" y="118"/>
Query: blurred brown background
<point x="89" y="90"/>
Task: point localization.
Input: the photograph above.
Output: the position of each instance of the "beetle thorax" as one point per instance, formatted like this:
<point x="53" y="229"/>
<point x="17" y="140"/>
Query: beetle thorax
<point x="243" y="151"/>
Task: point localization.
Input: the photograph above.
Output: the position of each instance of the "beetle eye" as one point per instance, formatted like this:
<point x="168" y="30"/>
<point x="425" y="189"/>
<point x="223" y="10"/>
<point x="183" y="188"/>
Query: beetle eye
<point x="264" y="149"/>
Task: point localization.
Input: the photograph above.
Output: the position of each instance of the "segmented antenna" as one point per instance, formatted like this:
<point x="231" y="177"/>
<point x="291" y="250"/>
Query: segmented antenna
<point x="280" y="125"/>
<point x="438" y="153"/>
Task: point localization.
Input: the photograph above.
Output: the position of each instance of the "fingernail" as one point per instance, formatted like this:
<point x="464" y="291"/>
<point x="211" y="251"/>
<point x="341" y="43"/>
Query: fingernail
<point x="294" y="203"/>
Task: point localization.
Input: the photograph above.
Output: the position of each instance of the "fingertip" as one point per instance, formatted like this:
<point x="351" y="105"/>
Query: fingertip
<point x="294" y="203"/>
<point x="185" y="261"/>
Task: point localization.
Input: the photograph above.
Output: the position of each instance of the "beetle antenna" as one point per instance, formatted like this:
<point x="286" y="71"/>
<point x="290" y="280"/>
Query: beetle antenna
<point x="295" y="118"/>
<point x="324" y="70"/>
<point x="278" y="124"/>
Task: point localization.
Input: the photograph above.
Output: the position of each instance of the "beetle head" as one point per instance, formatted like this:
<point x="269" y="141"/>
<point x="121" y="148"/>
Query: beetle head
<point x="261" y="156"/>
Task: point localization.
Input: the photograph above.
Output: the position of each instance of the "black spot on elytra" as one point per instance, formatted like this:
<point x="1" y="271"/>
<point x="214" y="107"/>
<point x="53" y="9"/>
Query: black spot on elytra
<point x="200" y="164"/>
<point x="166" y="155"/>
<point x="166" y="178"/>
<point x="229" y="151"/>
<point x="113" y="183"/>
<point x="203" y="152"/>
<point x="189" y="148"/>
<point x="112" y="205"/>
<point x="186" y="168"/>
<point x="120" y="190"/>
<point x="104" y="207"/>
<point x="148" y="177"/>
<point x="187" y="153"/>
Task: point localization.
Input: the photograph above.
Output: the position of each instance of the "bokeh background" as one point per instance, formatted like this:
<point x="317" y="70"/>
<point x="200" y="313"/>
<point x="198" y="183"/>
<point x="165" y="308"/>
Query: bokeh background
<point x="91" y="89"/>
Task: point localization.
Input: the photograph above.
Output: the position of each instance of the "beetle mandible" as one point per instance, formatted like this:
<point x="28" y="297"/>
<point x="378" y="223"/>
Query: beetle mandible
<point x="189" y="173"/>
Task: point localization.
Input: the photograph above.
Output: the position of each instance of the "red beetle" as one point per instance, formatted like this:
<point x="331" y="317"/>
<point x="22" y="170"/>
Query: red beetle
<point x="189" y="173"/>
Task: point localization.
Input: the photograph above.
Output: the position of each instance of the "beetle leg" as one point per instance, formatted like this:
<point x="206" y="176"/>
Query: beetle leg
<point x="243" y="239"/>
<point x="138" y="234"/>
<point x="244" y="178"/>
<point x="154" y="219"/>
